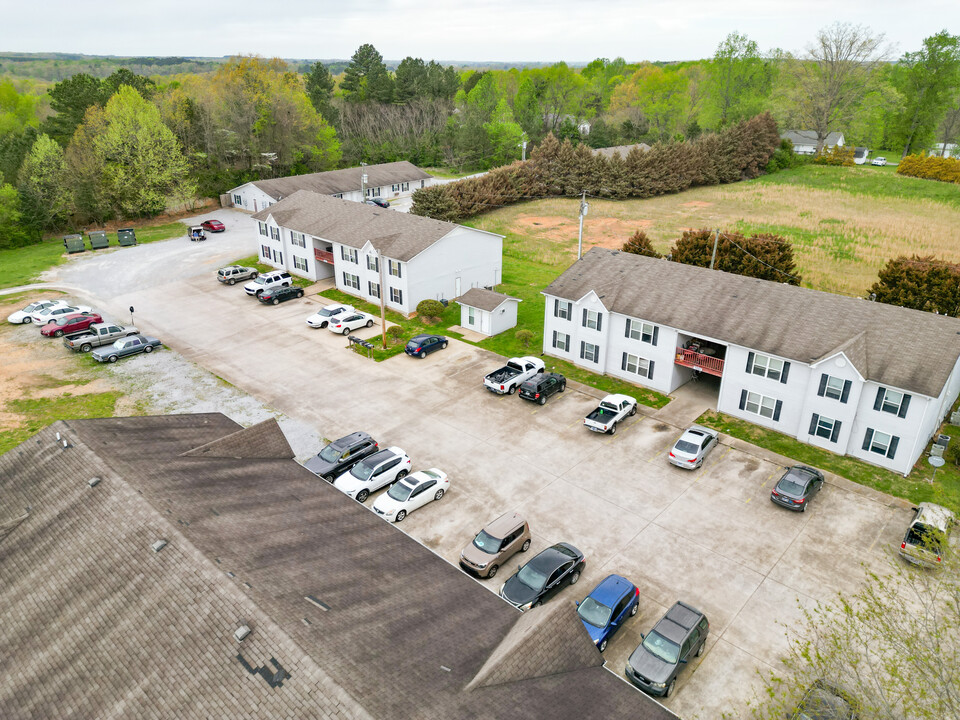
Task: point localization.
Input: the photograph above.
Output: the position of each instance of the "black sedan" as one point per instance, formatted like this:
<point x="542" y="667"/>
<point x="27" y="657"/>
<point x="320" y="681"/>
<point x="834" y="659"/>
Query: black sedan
<point x="277" y="295"/>
<point x="422" y="345"/>
<point x="542" y="577"/>
<point x="379" y="202"/>
<point x="797" y="487"/>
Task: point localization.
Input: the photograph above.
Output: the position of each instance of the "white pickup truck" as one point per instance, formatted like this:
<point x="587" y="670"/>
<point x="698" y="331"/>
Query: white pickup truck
<point x="612" y="409"/>
<point x="507" y="379"/>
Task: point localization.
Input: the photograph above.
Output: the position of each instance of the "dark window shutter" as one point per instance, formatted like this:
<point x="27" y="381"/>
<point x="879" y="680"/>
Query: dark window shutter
<point x="554" y="339"/>
<point x="823" y="385"/>
<point x="623" y="362"/>
<point x="878" y="403"/>
<point x="749" y="362"/>
<point x="650" y="371"/>
<point x="626" y="330"/>
<point x="867" y="439"/>
<point x="813" y="424"/>
<point x="786" y="371"/>
<point x="743" y="398"/>
<point x="556" y="307"/>
<point x="845" y="395"/>
<point x="776" y="410"/>
<point x="583" y="349"/>
<point x="570" y="311"/>
<point x="584" y="317"/>
<point x="656" y="333"/>
<point x="599" y="321"/>
<point x="892" y="450"/>
<point x="903" y="406"/>
<point x="836" y="431"/>
<point x="566" y="344"/>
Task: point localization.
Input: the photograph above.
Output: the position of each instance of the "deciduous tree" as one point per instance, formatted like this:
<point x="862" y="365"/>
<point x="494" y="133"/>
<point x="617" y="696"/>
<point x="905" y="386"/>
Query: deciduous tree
<point x="739" y="81"/>
<point x="11" y="228"/>
<point x="45" y="194"/>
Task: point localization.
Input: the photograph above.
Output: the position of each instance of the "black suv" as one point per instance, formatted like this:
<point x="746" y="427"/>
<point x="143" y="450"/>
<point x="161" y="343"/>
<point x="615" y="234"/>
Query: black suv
<point x="541" y="386"/>
<point x="280" y="294"/>
<point x="341" y="455"/>
<point x="675" y="639"/>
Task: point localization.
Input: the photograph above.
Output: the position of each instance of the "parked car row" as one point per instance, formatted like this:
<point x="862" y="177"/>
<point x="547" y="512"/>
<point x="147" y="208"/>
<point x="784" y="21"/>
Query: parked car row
<point x="83" y="329"/>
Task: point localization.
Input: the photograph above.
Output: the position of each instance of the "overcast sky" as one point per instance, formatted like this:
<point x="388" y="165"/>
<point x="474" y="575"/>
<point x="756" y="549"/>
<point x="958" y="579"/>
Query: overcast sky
<point x="483" y="30"/>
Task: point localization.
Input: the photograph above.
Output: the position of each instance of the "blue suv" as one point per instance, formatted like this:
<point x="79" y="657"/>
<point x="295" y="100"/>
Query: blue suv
<point x="607" y="607"/>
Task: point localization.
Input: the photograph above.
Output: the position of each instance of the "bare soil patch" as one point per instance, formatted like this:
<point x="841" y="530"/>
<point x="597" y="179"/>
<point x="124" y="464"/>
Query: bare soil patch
<point x="605" y="232"/>
<point x="696" y="203"/>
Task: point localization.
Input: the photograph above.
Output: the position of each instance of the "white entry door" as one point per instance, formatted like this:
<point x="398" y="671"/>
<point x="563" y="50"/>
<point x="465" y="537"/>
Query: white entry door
<point x="456" y="293"/>
<point x="484" y="322"/>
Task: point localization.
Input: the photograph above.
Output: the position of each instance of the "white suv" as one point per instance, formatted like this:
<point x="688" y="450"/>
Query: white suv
<point x="373" y="472"/>
<point x="268" y="281"/>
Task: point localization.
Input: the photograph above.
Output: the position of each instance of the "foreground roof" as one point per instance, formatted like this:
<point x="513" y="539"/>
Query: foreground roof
<point x="484" y="299"/>
<point x="349" y="617"/>
<point x="341" y="181"/>
<point x="397" y="235"/>
<point x="890" y="345"/>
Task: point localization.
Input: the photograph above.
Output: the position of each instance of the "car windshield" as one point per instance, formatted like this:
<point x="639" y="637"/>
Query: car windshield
<point x="656" y="644"/>
<point x="363" y="471"/>
<point x="790" y="487"/>
<point x="326" y="312"/>
<point x="597" y="614"/>
<point x="487" y="543"/>
<point x="260" y="280"/>
<point x="687" y="447"/>
<point x="531" y="577"/>
<point x="329" y="454"/>
<point x="400" y="492"/>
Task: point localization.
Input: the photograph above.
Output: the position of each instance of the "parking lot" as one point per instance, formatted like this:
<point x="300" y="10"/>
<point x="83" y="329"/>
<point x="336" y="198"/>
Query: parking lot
<point x="710" y="537"/>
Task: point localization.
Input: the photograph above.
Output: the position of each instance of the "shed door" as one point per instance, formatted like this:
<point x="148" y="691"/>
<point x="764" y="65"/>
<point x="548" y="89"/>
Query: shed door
<point x="485" y="322"/>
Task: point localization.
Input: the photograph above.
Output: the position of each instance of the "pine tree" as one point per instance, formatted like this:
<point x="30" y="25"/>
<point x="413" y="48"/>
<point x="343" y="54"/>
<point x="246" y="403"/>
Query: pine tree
<point x="639" y="244"/>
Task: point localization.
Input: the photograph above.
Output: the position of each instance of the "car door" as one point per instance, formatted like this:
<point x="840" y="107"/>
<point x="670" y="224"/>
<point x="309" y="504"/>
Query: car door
<point x="693" y="641"/>
<point x="510" y="544"/>
<point x="549" y="386"/>
<point x="385" y="474"/>
<point x="431" y="345"/>
<point x="131" y="346"/>
<point x="555" y="581"/>
<point x="619" y="613"/>
<point x="423" y="494"/>
<point x="706" y="445"/>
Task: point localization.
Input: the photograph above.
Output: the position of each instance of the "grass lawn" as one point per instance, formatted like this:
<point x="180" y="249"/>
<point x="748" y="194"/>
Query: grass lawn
<point x="449" y="173"/>
<point x="254" y="262"/>
<point x="36" y="414"/>
<point x="920" y="486"/>
<point x="20" y="266"/>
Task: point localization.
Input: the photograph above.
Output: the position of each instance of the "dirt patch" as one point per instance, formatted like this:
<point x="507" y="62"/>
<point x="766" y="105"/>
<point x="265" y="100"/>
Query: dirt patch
<point x="696" y="203"/>
<point x="597" y="232"/>
<point x="204" y="205"/>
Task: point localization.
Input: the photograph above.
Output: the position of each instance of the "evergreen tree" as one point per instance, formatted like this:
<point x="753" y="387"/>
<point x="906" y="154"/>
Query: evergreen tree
<point x="921" y="283"/>
<point x="768" y="257"/>
<point x="69" y="100"/>
<point x="366" y="77"/>
<point x="319" y="88"/>
<point x="639" y="244"/>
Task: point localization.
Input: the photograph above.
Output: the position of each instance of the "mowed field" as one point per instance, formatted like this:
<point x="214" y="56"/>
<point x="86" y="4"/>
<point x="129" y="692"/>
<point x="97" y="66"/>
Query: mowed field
<point x="844" y="223"/>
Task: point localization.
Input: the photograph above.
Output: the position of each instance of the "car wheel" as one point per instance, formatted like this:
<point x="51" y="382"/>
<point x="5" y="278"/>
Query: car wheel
<point x="148" y="349"/>
<point x="254" y="276"/>
<point x="703" y="646"/>
<point x="86" y="347"/>
<point x="669" y="692"/>
<point x="613" y="429"/>
<point x="58" y="333"/>
<point x="300" y="294"/>
<point x="112" y="359"/>
<point x="26" y="321"/>
<point x="574" y="577"/>
<point x="443" y="345"/>
<point x="401" y="515"/>
<point x="362" y="496"/>
<point x="803" y="508"/>
<point x="563" y="386"/>
<point x="276" y="301"/>
<point x="259" y="293"/>
<point x="492" y="571"/>
<point x="231" y="281"/>
<point x="329" y="478"/>
<point x="369" y="323"/>
<point x="542" y="400"/>
<point x="438" y="495"/>
<point x="525" y="546"/>
<point x="346" y="331"/>
<point x="400" y="475"/>
<point x="422" y="354"/>
<point x="538" y="603"/>
<point x="511" y="390"/>
<point x="633" y="411"/>
<point x="602" y="646"/>
<point x="633" y="610"/>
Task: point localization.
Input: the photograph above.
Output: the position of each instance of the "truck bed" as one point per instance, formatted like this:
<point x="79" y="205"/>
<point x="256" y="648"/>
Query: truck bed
<point x="503" y="374"/>
<point x="601" y="413"/>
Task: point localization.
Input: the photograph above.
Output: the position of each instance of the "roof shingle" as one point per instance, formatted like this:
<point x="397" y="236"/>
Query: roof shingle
<point x="483" y="299"/>
<point x="333" y="182"/>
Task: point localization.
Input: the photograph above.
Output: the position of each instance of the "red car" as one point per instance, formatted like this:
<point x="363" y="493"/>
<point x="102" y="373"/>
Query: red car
<point x="70" y="324"/>
<point x="212" y="226"/>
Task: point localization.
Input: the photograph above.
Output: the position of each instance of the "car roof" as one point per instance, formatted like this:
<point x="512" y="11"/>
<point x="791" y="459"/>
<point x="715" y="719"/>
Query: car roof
<point x="555" y="556"/>
<point x="934" y="515"/>
<point x="424" y="336"/>
<point x="678" y="622"/>
<point x="418" y="478"/>
<point x="611" y="589"/>
<point x="699" y="431"/>
<point x="350" y="439"/>
<point x="381" y="455"/>
<point x="506" y="523"/>
<point x="801" y="473"/>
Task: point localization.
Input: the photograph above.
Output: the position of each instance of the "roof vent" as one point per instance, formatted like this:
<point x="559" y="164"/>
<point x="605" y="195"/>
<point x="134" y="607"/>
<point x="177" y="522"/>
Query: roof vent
<point x="58" y="437"/>
<point x="241" y="634"/>
<point x="93" y="482"/>
<point x="159" y="545"/>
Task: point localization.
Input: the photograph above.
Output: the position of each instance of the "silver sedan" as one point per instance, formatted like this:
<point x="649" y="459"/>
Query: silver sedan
<point x="693" y="446"/>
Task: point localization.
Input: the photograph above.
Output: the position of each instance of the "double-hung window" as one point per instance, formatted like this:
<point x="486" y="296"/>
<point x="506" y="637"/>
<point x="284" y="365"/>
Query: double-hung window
<point x="396" y="296"/>
<point x="592" y="319"/>
<point x="265" y="252"/>
<point x="237" y="200"/>
<point x="404" y="187"/>
<point x="880" y="443"/>
<point x="297" y="239"/>
<point x="637" y="365"/>
<point x="644" y="332"/>
<point x="351" y="281"/>
<point x="562" y="309"/>
<point x="395" y="188"/>
<point x="373" y="263"/>
<point x="590" y="352"/>
<point x="300" y="263"/>
<point x="892" y="401"/>
<point x="374" y="289"/>
<point x="274" y="232"/>
<point x="393" y="267"/>
<point x="561" y="341"/>
<point x="768" y="367"/>
<point x="471" y="315"/>
<point x="263" y="229"/>
<point x="824" y="427"/>
<point x="834" y="388"/>
<point x="349" y="254"/>
<point x="761" y="405"/>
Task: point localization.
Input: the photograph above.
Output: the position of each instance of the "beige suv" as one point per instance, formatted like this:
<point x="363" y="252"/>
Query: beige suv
<point x="928" y="535"/>
<point x="496" y="544"/>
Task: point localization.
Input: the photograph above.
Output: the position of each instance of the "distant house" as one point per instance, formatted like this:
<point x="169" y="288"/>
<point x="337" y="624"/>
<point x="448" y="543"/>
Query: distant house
<point x="845" y="374"/>
<point x="487" y="312"/>
<point x="583" y="126"/>
<point x="316" y="236"/>
<point x="805" y="141"/>
<point x="621" y="150"/>
<point x="387" y="181"/>
<point x="860" y="155"/>
<point x="948" y="150"/>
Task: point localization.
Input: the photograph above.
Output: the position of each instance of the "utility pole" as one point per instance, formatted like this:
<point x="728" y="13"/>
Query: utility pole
<point x="363" y="183"/>
<point x="583" y="211"/>
<point x="523" y="148"/>
<point x="716" y="239"/>
<point x="383" y="309"/>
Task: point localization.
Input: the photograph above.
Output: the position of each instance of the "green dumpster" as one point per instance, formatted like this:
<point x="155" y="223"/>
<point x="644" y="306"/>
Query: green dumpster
<point x="73" y="243"/>
<point x="98" y="239"/>
<point x="126" y="236"/>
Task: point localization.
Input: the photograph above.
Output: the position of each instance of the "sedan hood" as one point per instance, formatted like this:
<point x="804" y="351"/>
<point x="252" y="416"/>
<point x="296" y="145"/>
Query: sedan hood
<point x="516" y="593"/>
<point x="318" y="465"/>
<point x="387" y="504"/>
<point x="650" y="666"/>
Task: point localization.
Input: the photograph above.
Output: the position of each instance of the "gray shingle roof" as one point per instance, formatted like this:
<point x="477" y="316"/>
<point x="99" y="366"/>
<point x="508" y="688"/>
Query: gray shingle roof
<point x="341" y="181"/>
<point x="809" y="137"/>
<point x="396" y="235"/>
<point x="483" y="299"/>
<point x="621" y="150"/>
<point x="899" y="347"/>
<point x="365" y="622"/>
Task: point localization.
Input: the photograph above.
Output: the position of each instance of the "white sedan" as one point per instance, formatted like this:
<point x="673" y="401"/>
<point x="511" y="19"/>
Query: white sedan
<point x="23" y="317"/>
<point x="413" y="492"/>
<point x="42" y="317"/>
<point x="322" y="317"/>
<point x="373" y="472"/>
<point x="348" y="322"/>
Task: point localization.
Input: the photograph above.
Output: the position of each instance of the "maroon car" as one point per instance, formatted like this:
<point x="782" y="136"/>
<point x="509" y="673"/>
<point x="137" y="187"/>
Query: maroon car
<point x="212" y="226"/>
<point x="70" y="324"/>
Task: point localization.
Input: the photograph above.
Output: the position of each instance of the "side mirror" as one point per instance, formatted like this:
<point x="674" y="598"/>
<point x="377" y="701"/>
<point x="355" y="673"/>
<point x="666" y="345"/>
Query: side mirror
<point x="642" y="636"/>
<point x="683" y="660"/>
<point x="577" y="603"/>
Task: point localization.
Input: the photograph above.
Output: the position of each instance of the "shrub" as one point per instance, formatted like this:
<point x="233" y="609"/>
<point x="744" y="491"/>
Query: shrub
<point x="768" y="257"/>
<point x="930" y="168"/>
<point x="430" y="309"/>
<point x="921" y="283"/>
<point x="952" y="454"/>
<point x="837" y="155"/>
<point x="524" y="336"/>
<point x="639" y="244"/>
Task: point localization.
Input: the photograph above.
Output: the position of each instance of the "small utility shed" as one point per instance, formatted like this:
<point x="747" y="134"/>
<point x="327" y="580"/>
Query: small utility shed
<point x="487" y="312"/>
